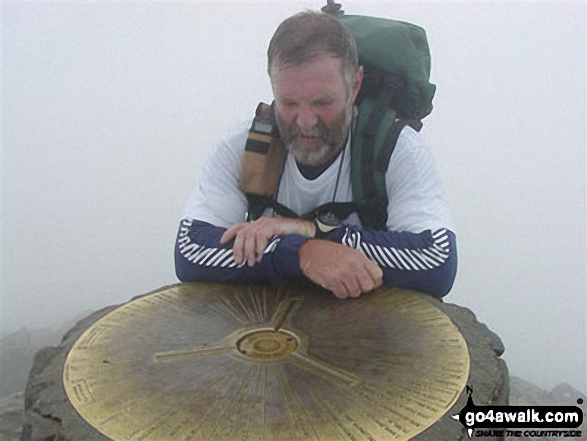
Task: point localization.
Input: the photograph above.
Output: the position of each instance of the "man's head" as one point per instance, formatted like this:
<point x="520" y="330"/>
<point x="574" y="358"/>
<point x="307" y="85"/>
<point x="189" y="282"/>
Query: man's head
<point x="314" y="72"/>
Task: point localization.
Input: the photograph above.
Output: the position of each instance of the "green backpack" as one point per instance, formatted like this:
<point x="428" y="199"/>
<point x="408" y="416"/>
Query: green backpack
<point x="395" y="92"/>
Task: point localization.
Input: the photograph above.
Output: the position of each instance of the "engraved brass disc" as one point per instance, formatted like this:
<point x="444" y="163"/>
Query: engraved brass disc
<point x="267" y="362"/>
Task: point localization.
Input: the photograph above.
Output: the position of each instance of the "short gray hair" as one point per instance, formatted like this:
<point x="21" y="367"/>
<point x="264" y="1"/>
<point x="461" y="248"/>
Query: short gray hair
<point x="309" y="34"/>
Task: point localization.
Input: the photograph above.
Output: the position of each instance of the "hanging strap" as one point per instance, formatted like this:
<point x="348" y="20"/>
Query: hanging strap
<point x="262" y="164"/>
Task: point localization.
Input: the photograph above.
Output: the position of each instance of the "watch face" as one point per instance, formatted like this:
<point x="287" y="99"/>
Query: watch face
<point x="328" y="221"/>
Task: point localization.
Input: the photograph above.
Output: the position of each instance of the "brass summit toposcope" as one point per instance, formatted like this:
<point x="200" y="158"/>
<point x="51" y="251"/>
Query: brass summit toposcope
<point x="267" y="362"/>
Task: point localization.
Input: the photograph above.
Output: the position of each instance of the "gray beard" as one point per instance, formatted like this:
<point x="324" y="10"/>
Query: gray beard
<point x="311" y="156"/>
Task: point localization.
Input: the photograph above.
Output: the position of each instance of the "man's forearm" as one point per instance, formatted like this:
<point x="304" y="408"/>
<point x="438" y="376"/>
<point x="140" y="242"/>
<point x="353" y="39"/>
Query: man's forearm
<point x="199" y="256"/>
<point x="425" y="261"/>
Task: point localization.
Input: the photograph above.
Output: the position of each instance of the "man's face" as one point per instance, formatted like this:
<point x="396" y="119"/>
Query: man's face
<point x="314" y="108"/>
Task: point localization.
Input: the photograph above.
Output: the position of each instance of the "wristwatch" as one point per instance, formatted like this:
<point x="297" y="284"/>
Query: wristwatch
<point x="325" y="223"/>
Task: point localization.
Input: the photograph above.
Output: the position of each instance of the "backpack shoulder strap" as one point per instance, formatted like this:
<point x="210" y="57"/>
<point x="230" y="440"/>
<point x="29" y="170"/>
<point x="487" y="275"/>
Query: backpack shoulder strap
<point x="374" y="139"/>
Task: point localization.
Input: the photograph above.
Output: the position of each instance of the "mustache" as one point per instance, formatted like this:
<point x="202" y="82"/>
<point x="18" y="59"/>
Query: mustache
<point x="320" y="130"/>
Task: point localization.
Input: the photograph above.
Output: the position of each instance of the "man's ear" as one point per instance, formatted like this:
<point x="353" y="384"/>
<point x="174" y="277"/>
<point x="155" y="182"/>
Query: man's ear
<point x="357" y="83"/>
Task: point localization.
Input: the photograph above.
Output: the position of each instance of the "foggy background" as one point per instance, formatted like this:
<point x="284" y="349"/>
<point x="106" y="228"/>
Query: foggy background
<point x="109" y="109"/>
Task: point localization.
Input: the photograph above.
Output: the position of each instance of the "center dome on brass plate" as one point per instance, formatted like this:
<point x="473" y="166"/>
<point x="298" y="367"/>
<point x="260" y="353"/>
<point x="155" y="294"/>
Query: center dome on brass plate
<point x="266" y="362"/>
<point x="267" y="345"/>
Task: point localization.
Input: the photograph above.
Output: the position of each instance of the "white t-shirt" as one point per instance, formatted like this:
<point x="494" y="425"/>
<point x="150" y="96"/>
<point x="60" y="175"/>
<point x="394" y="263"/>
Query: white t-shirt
<point x="416" y="196"/>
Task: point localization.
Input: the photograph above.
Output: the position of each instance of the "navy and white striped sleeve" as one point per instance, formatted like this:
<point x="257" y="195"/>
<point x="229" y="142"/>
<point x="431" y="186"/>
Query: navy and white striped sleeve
<point x="199" y="257"/>
<point x="425" y="262"/>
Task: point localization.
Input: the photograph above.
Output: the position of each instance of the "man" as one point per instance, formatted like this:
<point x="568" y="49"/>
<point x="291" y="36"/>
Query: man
<point x="315" y="77"/>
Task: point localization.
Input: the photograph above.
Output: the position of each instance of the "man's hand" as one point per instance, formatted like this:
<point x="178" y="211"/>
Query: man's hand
<point x="251" y="238"/>
<point x="340" y="269"/>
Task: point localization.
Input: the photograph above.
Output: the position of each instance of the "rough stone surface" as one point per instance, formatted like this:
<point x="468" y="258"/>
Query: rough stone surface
<point x="11" y="416"/>
<point x="50" y="416"/>
<point x="17" y="350"/>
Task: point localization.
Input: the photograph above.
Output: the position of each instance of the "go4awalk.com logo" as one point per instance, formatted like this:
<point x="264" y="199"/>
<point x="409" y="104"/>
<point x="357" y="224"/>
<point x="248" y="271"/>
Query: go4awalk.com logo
<point x="520" y="421"/>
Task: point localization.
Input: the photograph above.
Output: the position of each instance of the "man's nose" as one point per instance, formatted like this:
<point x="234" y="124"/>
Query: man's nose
<point x="306" y="118"/>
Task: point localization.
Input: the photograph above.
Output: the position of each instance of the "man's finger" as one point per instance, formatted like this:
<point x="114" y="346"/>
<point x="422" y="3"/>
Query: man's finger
<point x="340" y="291"/>
<point x="353" y="287"/>
<point x="366" y="283"/>
<point x="339" y="295"/>
<point x="250" y="248"/>
<point x="261" y="245"/>
<point x="230" y="233"/>
<point x="375" y="272"/>
<point x="238" y="250"/>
